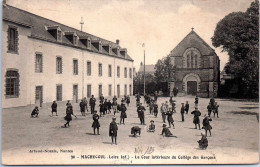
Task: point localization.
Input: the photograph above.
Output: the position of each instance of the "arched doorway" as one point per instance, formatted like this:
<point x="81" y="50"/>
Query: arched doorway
<point x="191" y="83"/>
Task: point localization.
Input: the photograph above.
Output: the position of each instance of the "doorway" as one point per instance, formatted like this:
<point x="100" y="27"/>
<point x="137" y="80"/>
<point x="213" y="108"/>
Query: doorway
<point x="192" y="88"/>
<point x="38" y="96"/>
<point x="75" y="93"/>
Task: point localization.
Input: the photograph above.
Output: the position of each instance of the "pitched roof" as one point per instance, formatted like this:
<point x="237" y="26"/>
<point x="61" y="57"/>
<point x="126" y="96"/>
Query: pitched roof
<point x="148" y="68"/>
<point x="192" y="40"/>
<point x="38" y="26"/>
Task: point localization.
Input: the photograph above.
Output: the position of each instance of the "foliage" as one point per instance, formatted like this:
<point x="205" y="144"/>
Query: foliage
<point x="238" y="35"/>
<point x="164" y="70"/>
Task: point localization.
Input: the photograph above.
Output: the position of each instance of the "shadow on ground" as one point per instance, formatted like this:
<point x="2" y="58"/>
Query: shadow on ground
<point x="243" y="112"/>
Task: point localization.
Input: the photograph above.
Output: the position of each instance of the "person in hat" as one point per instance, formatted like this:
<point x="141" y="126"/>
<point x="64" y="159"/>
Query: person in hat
<point x="105" y="107"/>
<point x="182" y="112"/>
<point x="196" y="101"/>
<point x="68" y="103"/>
<point x="174" y="106"/>
<point x="114" y="104"/>
<point x="113" y="130"/>
<point x="123" y="113"/>
<point x="68" y="117"/>
<point x="92" y="103"/>
<point x="203" y="142"/>
<point x="206" y="124"/>
<point x="95" y="124"/>
<point x="163" y="112"/>
<point x="138" y="97"/>
<point x="101" y="108"/>
<point x="140" y="111"/>
<point x="127" y="100"/>
<point x="209" y="108"/>
<point x="101" y="98"/>
<point x="54" y="108"/>
<point x="151" y="126"/>
<point x="155" y="108"/>
<point x="196" y="119"/>
<point x="187" y="106"/>
<point x="82" y="106"/>
<point x="35" y="112"/>
<point x="169" y="118"/>
<point x="109" y="106"/>
<point x="166" y="132"/>
<point x="216" y="106"/>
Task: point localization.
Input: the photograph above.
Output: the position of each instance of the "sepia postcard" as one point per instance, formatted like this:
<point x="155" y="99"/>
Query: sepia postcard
<point x="129" y="82"/>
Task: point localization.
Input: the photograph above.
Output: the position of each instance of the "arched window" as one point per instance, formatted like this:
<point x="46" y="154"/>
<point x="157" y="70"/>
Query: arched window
<point x="12" y="83"/>
<point x="191" y="58"/>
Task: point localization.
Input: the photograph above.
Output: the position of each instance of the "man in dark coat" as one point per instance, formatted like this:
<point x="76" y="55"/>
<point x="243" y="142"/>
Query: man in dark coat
<point x="196" y="101"/>
<point x="187" y="106"/>
<point x="127" y="100"/>
<point x="113" y="130"/>
<point x="92" y="103"/>
<point x="196" y="119"/>
<point x="82" y="106"/>
<point x="123" y="113"/>
<point x="206" y="124"/>
<point x="54" y="108"/>
<point x="95" y="124"/>
<point x="182" y="112"/>
<point x="69" y="112"/>
<point x="155" y="96"/>
<point x="101" y="109"/>
<point x="105" y="107"/>
<point x="209" y="107"/>
<point x="216" y="106"/>
<point x="109" y="106"/>
<point x="140" y="111"/>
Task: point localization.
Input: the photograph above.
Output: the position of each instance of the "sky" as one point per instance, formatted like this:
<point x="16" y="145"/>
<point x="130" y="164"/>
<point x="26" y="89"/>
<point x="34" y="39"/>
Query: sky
<point x="160" y="24"/>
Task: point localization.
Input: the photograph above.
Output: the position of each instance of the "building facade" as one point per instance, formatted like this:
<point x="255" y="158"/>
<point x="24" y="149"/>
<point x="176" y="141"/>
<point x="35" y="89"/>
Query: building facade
<point x="197" y="67"/>
<point x="43" y="61"/>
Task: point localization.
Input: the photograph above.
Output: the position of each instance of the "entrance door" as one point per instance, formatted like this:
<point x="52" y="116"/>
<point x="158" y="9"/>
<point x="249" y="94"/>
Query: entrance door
<point x="38" y="96"/>
<point x="192" y="88"/>
<point x="75" y="93"/>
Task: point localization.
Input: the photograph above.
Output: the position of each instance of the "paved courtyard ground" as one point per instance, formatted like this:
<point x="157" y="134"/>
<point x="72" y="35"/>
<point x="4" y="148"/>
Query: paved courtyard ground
<point x="235" y="137"/>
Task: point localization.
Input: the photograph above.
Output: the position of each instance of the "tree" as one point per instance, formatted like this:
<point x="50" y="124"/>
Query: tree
<point x="238" y="35"/>
<point x="164" y="70"/>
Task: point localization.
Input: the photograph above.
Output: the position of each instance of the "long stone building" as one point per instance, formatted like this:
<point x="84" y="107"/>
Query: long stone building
<point x="43" y="60"/>
<point x="197" y="67"/>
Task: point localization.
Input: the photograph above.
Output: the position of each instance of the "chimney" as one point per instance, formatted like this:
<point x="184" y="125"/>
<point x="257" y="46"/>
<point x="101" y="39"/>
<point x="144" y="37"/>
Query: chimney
<point x="117" y="41"/>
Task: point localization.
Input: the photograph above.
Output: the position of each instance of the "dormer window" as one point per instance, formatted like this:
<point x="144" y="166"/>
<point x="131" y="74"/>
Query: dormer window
<point x="116" y="50"/>
<point x="85" y="40"/>
<point x="123" y="52"/>
<point x="107" y="48"/>
<point x="72" y="37"/>
<point x="55" y="31"/>
<point x="97" y="44"/>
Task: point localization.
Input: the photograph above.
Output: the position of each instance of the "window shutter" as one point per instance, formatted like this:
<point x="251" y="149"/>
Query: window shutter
<point x="16" y="40"/>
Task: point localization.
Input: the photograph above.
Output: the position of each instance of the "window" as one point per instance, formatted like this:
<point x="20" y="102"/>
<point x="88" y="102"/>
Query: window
<point x="38" y="63"/>
<point x="192" y="58"/>
<point x="99" y="90"/>
<point x="118" y="90"/>
<point x="12" y="39"/>
<point x="12" y="83"/>
<point x="88" y="91"/>
<point x="130" y="90"/>
<point x="59" y="65"/>
<point x="99" y="69"/>
<point x="118" y="71"/>
<point x="58" y="35"/>
<point x="89" y="43"/>
<point x="110" y="90"/>
<point x="196" y="58"/>
<point x="59" y="92"/>
<point x="130" y="73"/>
<point x="125" y="91"/>
<point x="88" y="68"/>
<point x="75" y="67"/>
<point x="125" y="72"/>
<point x="188" y="61"/>
<point x="75" y="40"/>
<point x="109" y="71"/>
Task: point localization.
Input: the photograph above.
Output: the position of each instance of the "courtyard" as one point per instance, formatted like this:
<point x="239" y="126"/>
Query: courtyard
<point x="42" y="140"/>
